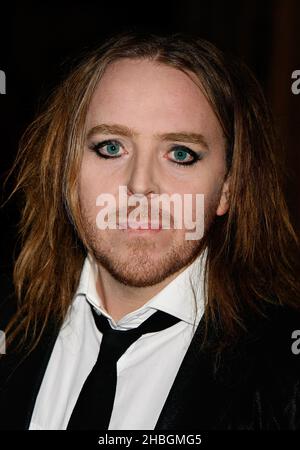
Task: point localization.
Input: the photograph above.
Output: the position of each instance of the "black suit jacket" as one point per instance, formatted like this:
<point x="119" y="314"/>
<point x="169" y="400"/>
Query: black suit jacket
<point x="254" y="385"/>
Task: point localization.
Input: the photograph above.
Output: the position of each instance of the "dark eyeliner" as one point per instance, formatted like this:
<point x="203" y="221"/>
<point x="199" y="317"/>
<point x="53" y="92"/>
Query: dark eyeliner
<point x="96" y="147"/>
<point x="197" y="156"/>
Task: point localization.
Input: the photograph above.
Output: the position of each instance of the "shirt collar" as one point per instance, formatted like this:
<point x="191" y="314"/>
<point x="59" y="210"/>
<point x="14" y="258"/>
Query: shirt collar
<point x="183" y="297"/>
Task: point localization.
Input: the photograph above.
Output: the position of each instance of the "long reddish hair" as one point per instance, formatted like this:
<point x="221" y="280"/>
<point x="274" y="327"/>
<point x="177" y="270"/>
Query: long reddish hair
<point x="252" y="251"/>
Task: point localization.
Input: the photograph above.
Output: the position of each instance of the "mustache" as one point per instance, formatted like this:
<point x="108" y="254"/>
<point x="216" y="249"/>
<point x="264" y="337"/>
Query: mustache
<point x="144" y="215"/>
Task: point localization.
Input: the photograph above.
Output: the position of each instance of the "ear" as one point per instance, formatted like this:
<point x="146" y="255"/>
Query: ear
<point x="224" y="199"/>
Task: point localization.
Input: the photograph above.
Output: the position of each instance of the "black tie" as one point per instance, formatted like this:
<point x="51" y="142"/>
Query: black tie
<point x="94" y="405"/>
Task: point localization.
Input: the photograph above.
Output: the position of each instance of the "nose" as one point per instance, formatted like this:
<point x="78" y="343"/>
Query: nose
<point x="143" y="177"/>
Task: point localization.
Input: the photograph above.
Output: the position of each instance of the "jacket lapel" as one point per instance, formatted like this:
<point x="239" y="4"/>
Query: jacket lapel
<point x="184" y="382"/>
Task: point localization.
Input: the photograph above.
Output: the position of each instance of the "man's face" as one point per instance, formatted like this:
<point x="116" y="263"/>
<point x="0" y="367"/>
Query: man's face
<point x="150" y="99"/>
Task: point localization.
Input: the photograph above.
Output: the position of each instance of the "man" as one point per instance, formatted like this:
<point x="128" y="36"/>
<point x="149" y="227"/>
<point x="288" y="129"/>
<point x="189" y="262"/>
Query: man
<point x="209" y="319"/>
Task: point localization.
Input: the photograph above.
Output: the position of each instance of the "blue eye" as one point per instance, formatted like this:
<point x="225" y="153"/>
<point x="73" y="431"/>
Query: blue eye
<point x="112" y="149"/>
<point x="184" y="156"/>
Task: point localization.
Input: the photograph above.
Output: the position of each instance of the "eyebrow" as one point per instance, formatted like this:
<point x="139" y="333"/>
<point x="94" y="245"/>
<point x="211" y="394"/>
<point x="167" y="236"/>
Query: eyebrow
<point x="122" y="130"/>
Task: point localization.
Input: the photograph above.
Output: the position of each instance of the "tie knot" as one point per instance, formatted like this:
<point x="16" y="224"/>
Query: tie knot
<point x="115" y="342"/>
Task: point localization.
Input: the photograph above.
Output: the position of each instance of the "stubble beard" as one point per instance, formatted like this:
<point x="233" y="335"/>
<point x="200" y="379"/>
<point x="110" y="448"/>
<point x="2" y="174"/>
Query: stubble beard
<point x="138" y="263"/>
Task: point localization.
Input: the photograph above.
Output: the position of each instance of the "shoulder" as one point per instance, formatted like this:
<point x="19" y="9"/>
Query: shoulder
<point x="279" y="329"/>
<point x="274" y="332"/>
<point x="261" y="372"/>
<point x="268" y="351"/>
<point x="272" y="350"/>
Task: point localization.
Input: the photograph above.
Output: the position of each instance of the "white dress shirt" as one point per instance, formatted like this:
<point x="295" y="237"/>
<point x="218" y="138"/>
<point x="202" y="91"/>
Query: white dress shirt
<point x="147" y="369"/>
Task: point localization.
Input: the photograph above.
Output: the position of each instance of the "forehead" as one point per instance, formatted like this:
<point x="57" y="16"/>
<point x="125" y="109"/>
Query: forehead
<point x="145" y="94"/>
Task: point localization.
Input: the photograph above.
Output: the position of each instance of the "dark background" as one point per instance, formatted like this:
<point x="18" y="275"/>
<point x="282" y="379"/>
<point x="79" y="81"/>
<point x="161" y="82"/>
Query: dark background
<point x="39" y="40"/>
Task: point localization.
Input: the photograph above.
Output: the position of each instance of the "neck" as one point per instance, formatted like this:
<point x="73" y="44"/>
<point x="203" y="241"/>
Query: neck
<point x="119" y="299"/>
